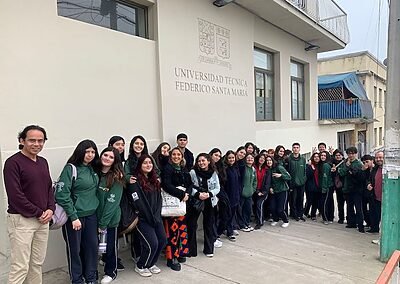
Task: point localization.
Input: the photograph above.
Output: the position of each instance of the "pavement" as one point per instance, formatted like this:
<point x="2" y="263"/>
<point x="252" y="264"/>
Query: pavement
<point x="309" y="252"/>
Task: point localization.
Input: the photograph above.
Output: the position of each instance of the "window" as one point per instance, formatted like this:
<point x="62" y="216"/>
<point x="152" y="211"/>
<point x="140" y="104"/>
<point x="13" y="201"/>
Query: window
<point x="375" y="96"/>
<point x="297" y="80"/>
<point x="376" y="137"/>
<point x="120" y="16"/>
<point x="380" y="136"/>
<point x="380" y="97"/>
<point x="264" y="84"/>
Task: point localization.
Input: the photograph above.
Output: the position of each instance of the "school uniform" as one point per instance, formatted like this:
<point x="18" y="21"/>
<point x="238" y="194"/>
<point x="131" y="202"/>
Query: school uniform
<point x="280" y="194"/>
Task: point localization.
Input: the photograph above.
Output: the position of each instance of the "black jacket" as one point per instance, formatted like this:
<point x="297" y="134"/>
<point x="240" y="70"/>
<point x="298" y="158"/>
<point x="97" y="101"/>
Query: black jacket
<point x="189" y="159"/>
<point x="266" y="183"/>
<point x="147" y="211"/>
<point x="171" y="178"/>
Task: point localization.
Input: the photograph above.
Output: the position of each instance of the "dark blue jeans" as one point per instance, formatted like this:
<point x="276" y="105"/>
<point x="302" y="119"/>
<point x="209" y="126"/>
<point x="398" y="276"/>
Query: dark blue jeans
<point x="82" y="250"/>
<point x="152" y="241"/>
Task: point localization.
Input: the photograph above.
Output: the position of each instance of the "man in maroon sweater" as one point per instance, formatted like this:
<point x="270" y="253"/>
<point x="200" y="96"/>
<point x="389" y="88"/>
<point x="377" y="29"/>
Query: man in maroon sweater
<point x="30" y="206"/>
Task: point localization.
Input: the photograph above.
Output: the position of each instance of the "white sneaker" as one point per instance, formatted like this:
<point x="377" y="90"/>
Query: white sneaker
<point x="217" y="244"/>
<point x="285" y="225"/>
<point x="143" y="272"/>
<point x="106" y="279"/>
<point x="377" y="242"/>
<point x="209" y="254"/>
<point x="250" y="228"/>
<point x="326" y="223"/>
<point x="245" y="229"/>
<point x="101" y="262"/>
<point x="235" y="232"/>
<point x="274" y="223"/>
<point x="154" y="269"/>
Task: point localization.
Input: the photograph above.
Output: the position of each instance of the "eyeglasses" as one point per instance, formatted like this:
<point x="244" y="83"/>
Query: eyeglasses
<point x="33" y="141"/>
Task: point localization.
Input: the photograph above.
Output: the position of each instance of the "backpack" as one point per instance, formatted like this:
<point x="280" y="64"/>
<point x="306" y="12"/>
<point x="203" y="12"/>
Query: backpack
<point x="60" y="217"/>
<point x="129" y="217"/>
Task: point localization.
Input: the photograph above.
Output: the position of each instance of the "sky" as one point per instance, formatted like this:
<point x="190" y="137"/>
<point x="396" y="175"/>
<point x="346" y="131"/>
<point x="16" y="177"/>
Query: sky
<point x="363" y="19"/>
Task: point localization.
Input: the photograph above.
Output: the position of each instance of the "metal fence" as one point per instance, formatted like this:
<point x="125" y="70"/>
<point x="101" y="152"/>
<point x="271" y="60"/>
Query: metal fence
<point x="327" y="14"/>
<point x="343" y="109"/>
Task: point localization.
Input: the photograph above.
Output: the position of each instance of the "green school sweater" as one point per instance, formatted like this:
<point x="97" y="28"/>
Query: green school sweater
<point x="249" y="182"/>
<point x="79" y="197"/>
<point x="109" y="211"/>
<point x="280" y="184"/>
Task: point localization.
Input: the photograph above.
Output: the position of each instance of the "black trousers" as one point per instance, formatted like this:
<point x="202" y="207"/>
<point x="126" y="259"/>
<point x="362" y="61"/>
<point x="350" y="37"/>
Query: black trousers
<point x="340" y="203"/>
<point x="355" y="202"/>
<point x="135" y="245"/>
<point x="259" y="208"/>
<point x="375" y="214"/>
<point x="82" y="250"/>
<point x="152" y="241"/>
<point x="326" y="205"/>
<point x="314" y="197"/>
<point x="278" y="204"/>
<point x="208" y="223"/>
<point x="223" y="217"/>
<point x="298" y="201"/>
<point x="110" y="257"/>
<point x="366" y="208"/>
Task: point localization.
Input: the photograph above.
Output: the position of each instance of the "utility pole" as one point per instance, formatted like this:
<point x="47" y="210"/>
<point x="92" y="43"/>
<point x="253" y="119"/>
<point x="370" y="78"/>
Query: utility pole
<point x="390" y="226"/>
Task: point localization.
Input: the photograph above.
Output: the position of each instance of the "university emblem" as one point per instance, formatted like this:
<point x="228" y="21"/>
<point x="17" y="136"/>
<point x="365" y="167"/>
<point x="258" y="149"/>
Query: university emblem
<point x="206" y="37"/>
<point x="223" y="42"/>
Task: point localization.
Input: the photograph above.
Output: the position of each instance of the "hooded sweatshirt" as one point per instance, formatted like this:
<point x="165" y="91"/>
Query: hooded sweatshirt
<point x="249" y="182"/>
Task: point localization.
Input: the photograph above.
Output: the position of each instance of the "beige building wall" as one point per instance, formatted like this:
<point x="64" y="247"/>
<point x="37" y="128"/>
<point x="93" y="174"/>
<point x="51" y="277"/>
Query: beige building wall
<point x="78" y="81"/>
<point x="372" y="75"/>
<point x="83" y="81"/>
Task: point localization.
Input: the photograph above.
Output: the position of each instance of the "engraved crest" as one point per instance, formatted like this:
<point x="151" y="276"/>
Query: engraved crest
<point x="223" y="42"/>
<point x="206" y="37"/>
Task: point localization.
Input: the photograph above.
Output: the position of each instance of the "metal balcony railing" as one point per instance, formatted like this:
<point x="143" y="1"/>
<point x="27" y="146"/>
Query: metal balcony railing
<point x="345" y="109"/>
<point x="327" y="14"/>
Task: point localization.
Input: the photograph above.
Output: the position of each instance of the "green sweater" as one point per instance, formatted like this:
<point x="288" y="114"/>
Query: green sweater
<point x="249" y="182"/>
<point x="326" y="178"/>
<point x="79" y="197"/>
<point x="352" y="176"/>
<point x="108" y="211"/>
<point x="280" y="184"/>
<point x="297" y="170"/>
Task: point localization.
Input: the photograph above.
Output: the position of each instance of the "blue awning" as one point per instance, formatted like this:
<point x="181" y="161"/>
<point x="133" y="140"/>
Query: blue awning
<point x="346" y="80"/>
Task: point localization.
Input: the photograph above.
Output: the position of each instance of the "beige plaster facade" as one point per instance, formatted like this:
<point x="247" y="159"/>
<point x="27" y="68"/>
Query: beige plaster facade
<point x="81" y="81"/>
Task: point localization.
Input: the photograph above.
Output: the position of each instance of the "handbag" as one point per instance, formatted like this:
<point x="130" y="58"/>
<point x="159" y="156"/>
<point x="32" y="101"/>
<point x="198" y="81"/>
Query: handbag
<point x="172" y="206"/>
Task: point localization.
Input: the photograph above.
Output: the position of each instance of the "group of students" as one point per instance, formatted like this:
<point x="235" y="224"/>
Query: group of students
<point x="227" y="189"/>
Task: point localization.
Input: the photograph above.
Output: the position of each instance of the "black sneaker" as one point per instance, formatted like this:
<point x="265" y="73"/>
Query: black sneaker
<point x="302" y="219"/>
<point x="174" y="264"/>
<point x="351" y="226"/>
<point x="297" y="219"/>
<point x="340" y="221"/>
<point x="257" y="227"/>
<point x="120" y="266"/>
<point x="181" y="259"/>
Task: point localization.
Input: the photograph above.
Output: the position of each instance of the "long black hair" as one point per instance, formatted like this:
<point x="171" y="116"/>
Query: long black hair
<point x="114" y="139"/>
<point x="157" y="156"/>
<point x="219" y="166"/>
<point x="132" y="158"/>
<point x="79" y="153"/>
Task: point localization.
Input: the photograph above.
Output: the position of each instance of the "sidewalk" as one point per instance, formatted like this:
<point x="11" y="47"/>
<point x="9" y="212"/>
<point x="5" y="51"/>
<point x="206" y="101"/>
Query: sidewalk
<point x="309" y="252"/>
